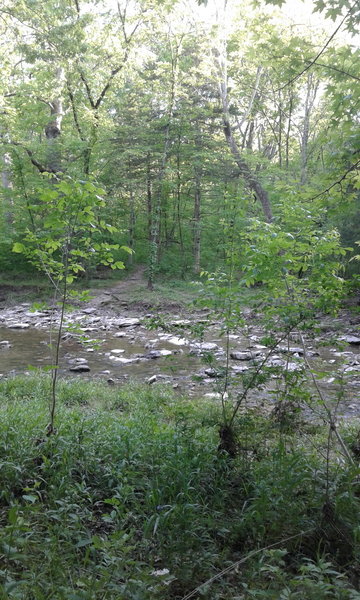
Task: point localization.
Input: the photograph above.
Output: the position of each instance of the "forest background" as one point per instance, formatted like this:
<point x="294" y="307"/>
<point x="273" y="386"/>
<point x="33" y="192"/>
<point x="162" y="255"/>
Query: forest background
<point x="195" y="120"/>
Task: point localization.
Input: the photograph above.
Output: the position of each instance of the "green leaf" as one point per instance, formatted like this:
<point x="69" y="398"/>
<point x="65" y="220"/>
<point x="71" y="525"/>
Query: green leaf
<point x="18" y="248"/>
<point x="84" y="542"/>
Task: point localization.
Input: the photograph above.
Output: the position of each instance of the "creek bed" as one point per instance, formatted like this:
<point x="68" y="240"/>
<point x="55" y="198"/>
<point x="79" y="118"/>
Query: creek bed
<point x="133" y="352"/>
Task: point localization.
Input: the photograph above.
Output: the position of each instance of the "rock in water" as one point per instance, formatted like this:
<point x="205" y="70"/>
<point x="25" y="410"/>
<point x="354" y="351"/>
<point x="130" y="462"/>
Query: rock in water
<point x="352" y="339"/>
<point x="82" y="368"/>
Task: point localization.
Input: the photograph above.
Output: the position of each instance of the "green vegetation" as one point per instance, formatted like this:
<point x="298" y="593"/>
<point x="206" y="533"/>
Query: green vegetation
<point x="214" y="142"/>
<point x="132" y="499"/>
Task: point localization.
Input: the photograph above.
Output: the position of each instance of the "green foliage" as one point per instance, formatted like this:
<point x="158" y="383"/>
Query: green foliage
<point x="66" y="222"/>
<point x="133" y="499"/>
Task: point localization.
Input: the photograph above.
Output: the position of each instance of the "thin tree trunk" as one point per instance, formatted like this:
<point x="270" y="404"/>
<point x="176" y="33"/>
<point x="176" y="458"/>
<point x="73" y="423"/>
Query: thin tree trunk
<point x="132" y="221"/>
<point x="311" y="92"/>
<point x="156" y="204"/>
<point x="7" y="185"/>
<point x="288" y="131"/>
<point x="280" y="132"/>
<point x="197" y="225"/>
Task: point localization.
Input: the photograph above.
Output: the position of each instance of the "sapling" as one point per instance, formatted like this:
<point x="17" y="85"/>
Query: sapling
<point x="65" y="235"/>
<point x="289" y="304"/>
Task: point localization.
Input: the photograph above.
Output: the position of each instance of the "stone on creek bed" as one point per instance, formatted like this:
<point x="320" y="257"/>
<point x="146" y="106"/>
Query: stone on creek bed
<point x="80" y="368"/>
<point x="157" y="353"/>
<point x="19" y="325"/>
<point x="77" y="361"/>
<point x="352" y="339"/>
<point x="244" y="355"/>
<point x="126" y="322"/>
<point x="124" y="361"/>
<point x="202" y="347"/>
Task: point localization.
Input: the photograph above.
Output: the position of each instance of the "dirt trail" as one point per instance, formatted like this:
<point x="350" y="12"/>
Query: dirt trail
<point x="118" y="294"/>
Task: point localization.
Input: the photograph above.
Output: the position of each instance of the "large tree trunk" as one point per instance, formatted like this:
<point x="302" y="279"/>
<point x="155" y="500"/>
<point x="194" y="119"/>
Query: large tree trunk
<point x="53" y="128"/>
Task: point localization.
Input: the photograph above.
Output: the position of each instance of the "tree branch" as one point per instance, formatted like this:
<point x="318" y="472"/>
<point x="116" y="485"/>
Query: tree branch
<point x="74" y="111"/>
<point x="88" y="90"/>
<point x="338" y="70"/>
<point x="312" y="62"/>
<point x="353" y="167"/>
<point x="34" y="161"/>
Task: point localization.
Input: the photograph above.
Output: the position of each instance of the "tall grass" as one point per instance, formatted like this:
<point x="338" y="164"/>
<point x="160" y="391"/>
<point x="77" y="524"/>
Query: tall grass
<point x="132" y="500"/>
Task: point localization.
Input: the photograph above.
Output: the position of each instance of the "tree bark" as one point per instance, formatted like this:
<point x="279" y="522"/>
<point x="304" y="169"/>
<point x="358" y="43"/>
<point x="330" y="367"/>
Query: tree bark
<point x="197" y="225"/>
<point x="53" y="128"/>
<point x="7" y="185"/>
<point x="245" y="171"/>
<point x="311" y="92"/>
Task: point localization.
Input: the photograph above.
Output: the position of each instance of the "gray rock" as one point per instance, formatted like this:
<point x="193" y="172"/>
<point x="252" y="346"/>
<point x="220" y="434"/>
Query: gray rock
<point x="177" y="341"/>
<point x="217" y="396"/>
<point x="352" y="339"/>
<point x="241" y="355"/>
<point x="214" y="373"/>
<point x="244" y="355"/>
<point x="82" y="368"/>
<point x="202" y="347"/>
<point x="240" y="368"/>
<point x="128" y="322"/>
<point x="157" y="353"/>
<point x="124" y="361"/>
<point x="19" y="325"/>
<point x="77" y="361"/>
<point x="117" y="351"/>
<point x="181" y="322"/>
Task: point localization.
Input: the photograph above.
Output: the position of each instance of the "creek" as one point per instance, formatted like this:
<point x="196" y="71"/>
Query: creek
<point x="122" y="348"/>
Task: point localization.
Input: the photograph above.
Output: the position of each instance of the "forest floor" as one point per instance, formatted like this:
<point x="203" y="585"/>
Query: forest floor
<point x="106" y="295"/>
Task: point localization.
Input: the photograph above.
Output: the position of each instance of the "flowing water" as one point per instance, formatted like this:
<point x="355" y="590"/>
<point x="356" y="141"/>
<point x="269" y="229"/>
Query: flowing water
<point x="136" y="353"/>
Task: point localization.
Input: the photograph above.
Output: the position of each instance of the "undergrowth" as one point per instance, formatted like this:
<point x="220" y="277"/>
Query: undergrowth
<point x="131" y="500"/>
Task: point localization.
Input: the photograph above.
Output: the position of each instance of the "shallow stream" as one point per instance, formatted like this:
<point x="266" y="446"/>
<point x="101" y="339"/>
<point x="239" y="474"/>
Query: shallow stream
<point x="127" y="350"/>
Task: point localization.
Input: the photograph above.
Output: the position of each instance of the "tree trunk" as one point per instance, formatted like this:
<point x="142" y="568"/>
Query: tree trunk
<point x="312" y="88"/>
<point x="53" y="128"/>
<point x="245" y="171"/>
<point x="132" y="221"/>
<point x="197" y="225"/>
<point x="7" y="185"/>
